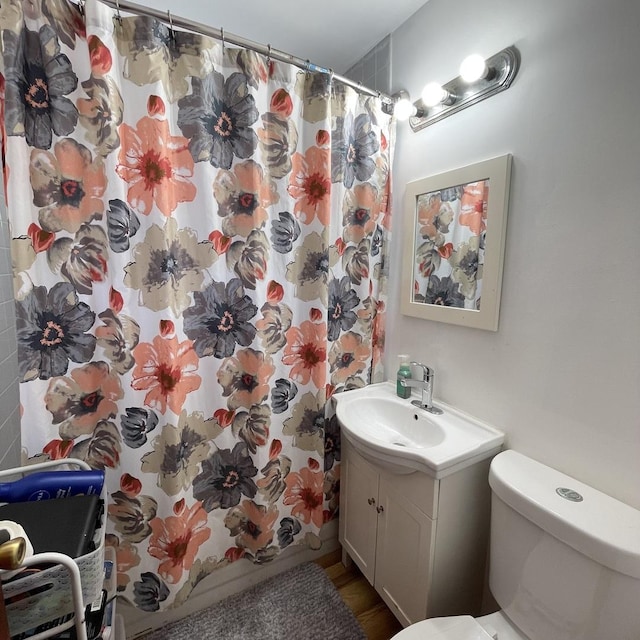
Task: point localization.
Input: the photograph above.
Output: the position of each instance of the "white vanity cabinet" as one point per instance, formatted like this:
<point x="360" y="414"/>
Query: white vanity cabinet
<point x="420" y="541"/>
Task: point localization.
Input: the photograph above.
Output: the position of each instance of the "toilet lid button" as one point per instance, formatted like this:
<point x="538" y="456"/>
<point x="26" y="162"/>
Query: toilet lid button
<point x="569" y="494"/>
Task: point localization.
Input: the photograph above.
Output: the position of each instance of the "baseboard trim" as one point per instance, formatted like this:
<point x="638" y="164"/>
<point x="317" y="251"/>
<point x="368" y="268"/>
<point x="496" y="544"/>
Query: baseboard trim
<point x="225" y="582"/>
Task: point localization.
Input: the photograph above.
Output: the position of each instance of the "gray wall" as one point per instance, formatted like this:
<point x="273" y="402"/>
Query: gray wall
<point x="561" y="377"/>
<point x="374" y="70"/>
<point x="9" y="394"/>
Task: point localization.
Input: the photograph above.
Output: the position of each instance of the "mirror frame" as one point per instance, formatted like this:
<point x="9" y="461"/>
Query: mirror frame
<point x="498" y="172"/>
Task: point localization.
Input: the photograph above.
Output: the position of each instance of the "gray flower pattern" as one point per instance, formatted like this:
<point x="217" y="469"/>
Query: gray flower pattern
<point x="342" y="302"/>
<point x="353" y="144"/>
<point x="284" y="232"/>
<point x="217" y="117"/>
<point x="38" y="77"/>
<point x="226" y="476"/>
<point x="220" y="319"/>
<point x="136" y="424"/>
<point x="444" y="292"/>
<point x="122" y="223"/>
<point x="52" y="329"/>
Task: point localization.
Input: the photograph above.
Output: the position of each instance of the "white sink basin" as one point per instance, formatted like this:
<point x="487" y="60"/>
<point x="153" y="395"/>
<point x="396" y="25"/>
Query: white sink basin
<point x="394" y="434"/>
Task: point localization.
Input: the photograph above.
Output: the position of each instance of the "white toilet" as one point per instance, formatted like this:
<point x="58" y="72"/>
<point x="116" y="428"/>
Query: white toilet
<point x="564" y="563"/>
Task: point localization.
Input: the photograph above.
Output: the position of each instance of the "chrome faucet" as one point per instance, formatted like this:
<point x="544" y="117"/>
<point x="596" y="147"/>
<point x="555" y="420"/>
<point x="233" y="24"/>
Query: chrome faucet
<point x="426" y="384"/>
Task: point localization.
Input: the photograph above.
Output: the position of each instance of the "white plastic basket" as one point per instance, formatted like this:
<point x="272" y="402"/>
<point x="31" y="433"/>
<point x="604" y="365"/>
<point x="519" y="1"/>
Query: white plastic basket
<point x="66" y="587"/>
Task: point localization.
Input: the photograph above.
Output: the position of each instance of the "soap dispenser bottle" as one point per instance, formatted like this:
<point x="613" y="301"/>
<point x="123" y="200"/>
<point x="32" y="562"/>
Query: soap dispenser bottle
<point x="404" y="373"/>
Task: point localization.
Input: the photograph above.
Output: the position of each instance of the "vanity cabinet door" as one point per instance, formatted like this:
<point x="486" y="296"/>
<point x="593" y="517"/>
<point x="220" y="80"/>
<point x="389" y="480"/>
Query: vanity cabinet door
<point x="404" y="552"/>
<point x="358" y="515"/>
<point x="421" y="542"/>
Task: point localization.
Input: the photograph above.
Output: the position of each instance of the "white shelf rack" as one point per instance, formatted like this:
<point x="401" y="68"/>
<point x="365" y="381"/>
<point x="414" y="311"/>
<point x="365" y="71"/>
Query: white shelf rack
<point x="64" y="587"/>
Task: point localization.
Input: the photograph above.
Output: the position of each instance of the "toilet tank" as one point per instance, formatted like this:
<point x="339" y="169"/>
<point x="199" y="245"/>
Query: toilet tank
<point x="565" y="558"/>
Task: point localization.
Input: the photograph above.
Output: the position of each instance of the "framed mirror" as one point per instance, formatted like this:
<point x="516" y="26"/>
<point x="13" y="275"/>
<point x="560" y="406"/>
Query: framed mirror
<point x="455" y="227"/>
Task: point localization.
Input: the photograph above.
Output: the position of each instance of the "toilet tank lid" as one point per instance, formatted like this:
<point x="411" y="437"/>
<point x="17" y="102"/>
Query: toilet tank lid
<point x="599" y="526"/>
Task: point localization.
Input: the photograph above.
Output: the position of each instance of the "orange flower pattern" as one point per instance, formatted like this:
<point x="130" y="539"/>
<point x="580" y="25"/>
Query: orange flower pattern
<point x="306" y="353"/>
<point x="78" y="402"/>
<point x="304" y="494"/>
<point x="243" y="196"/>
<point x="473" y="206"/>
<point x="175" y="541"/>
<point x="310" y="185"/>
<point x="200" y="256"/>
<point x="165" y="369"/>
<point x="156" y="165"/>
<point x="68" y="186"/>
<point x="252" y="524"/>
<point x="245" y="378"/>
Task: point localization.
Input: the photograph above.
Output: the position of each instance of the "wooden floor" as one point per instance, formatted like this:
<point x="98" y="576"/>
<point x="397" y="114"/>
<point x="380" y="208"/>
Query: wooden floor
<point x="372" y="613"/>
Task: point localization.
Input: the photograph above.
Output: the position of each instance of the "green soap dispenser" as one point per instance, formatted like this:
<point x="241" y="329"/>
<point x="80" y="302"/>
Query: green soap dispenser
<point x="404" y="373"/>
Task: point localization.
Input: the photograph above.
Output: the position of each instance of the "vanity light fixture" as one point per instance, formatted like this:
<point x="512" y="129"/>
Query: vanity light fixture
<point x="434" y="94"/>
<point x="474" y="68"/>
<point x="479" y="78"/>
<point x="403" y="108"/>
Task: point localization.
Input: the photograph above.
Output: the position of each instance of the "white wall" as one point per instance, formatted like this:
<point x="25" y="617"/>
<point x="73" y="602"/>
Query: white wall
<point x="562" y="375"/>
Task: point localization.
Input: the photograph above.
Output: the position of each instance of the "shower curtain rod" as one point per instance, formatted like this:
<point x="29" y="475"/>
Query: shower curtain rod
<point x="220" y="34"/>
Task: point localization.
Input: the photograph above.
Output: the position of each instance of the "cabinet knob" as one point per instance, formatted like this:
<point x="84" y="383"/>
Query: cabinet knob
<point x="371" y="500"/>
<point x="380" y="509"/>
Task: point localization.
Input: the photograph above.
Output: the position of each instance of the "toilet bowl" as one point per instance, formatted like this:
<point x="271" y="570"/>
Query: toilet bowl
<point x="564" y="562"/>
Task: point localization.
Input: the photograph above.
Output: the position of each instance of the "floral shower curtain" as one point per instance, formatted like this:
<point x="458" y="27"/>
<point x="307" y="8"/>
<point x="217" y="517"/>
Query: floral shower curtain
<point x="449" y="247"/>
<point x="199" y="258"/>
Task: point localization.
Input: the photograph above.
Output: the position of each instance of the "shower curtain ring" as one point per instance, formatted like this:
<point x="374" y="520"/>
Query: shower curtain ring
<point x="81" y="7"/>
<point x="331" y="75"/>
<point x="307" y="66"/>
<point x="268" y="54"/>
<point x="118" y="15"/>
<point x="222" y="38"/>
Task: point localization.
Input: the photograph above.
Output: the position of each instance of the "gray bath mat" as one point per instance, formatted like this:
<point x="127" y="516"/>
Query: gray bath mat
<point x="299" y="603"/>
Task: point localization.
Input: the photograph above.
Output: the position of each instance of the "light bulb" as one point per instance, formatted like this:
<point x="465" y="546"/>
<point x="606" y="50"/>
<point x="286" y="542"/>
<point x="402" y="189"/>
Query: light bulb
<point x="404" y="109"/>
<point x="473" y="68"/>
<point x="434" y="94"/>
